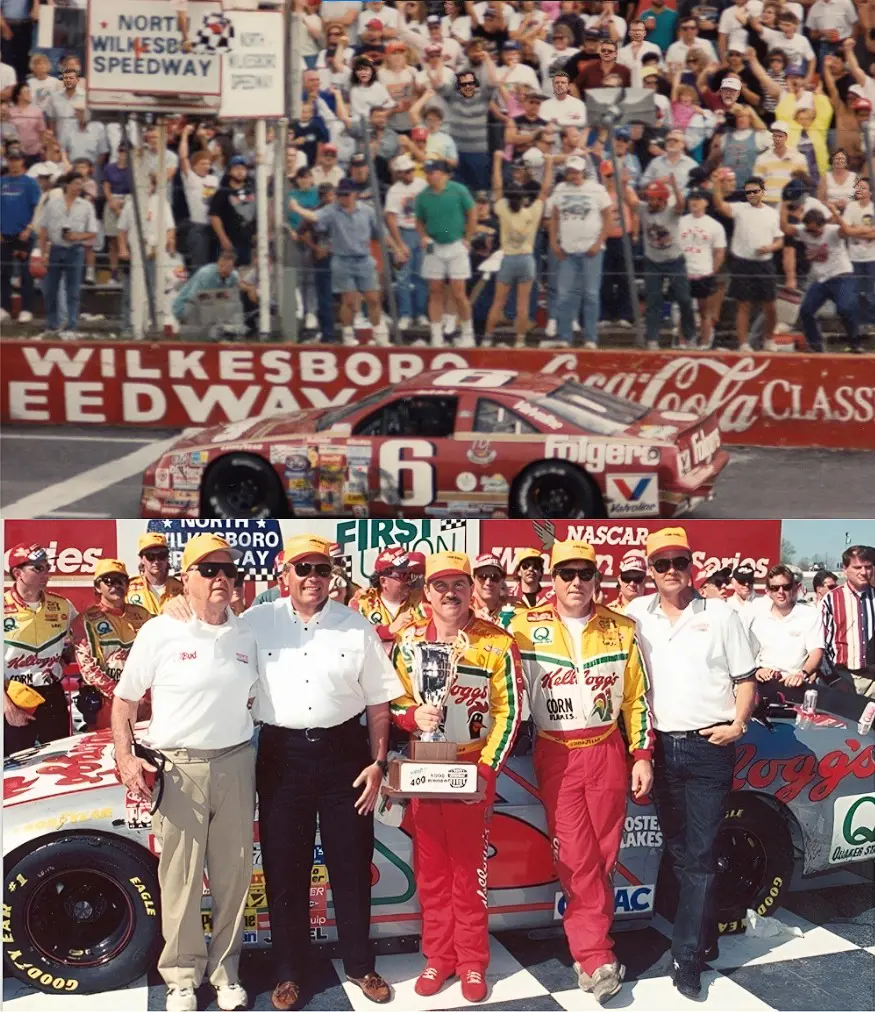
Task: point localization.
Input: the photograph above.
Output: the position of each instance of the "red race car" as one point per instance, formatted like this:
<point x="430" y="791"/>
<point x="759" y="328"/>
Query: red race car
<point x="465" y="442"/>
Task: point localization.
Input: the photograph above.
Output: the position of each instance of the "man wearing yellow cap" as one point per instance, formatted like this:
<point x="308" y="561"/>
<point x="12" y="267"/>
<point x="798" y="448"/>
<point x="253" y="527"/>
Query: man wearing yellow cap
<point x="202" y="675"/>
<point x="528" y="568"/>
<point x="153" y="587"/>
<point x="703" y="693"/>
<point x="103" y="636"/>
<point x="483" y="716"/>
<point x="583" y="670"/>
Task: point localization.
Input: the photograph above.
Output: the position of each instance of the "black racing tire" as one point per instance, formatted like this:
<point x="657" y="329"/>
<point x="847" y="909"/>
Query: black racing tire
<point x="81" y="914"/>
<point x="555" y="490"/>
<point x="755" y="861"/>
<point x="242" y="486"/>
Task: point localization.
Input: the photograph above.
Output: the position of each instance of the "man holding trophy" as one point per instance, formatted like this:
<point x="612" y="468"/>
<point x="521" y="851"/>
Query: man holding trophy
<point x="583" y="669"/>
<point x="462" y="681"/>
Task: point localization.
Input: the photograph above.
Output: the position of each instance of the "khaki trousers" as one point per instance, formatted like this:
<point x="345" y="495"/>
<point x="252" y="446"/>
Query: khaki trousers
<point x="205" y="819"/>
<point x="865" y="686"/>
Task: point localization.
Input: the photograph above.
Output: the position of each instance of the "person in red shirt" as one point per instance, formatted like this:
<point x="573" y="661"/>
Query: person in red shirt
<point x="594" y="73"/>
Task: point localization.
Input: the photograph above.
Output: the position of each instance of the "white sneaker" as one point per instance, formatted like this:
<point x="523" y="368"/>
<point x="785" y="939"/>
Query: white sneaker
<point x="451" y="324"/>
<point x="403" y="322"/>
<point x="745" y="349"/>
<point x="4" y="316"/>
<point x="623" y="324"/>
<point x="361" y="322"/>
<point x="423" y="321"/>
<point x="590" y="345"/>
<point x="381" y="335"/>
<point x="181" y="999"/>
<point x="437" y="337"/>
<point x="310" y="321"/>
<point x="767" y="346"/>
<point x="231" y="996"/>
<point x="575" y="327"/>
<point x="90" y="278"/>
<point x="653" y="345"/>
<point x="550" y="329"/>
<point x="25" y="316"/>
<point x="349" y="338"/>
<point x="465" y="340"/>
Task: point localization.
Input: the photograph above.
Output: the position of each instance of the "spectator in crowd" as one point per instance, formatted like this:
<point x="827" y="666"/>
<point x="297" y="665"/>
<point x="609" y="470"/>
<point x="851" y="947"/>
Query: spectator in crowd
<point x="68" y="223"/>
<point x="703" y="243"/>
<point x="61" y="107"/>
<point x="411" y="291"/>
<point x="41" y="82"/>
<point x="696" y="731"/>
<point x="632" y="54"/>
<point x="222" y="274"/>
<point x="664" y="259"/>
<point x="675" y="162"/>
<point x="580" y="220"/>
<point x="824" y="581"/>
<point x="116" y="187"/>
<point x="859" y="217"/>
<point x="616" y="297"/>
<point x="103" y="636"/>
<point x="305" y="193"/>
<point x="788" y="635"/>
<point x="232" y="211"/>
<point x="756" y="237"/>
<point x="27" y="118"/>
<point x="689" y="41"/>
<point x="777" y="165"/>
<point x="201" y="676"/>
<point x="17" y="19"/>
<point x="563" y="109"/>
<point x="445" y="219"/>
<point x="660" y="22"/>
<point x="19" y="197"/>
<point x="36" y="643"/>
<point x="848" y="615"/>
<point x="467" y="119"/>
<point x="153" y="586"/>
<point x="200" y="185"/>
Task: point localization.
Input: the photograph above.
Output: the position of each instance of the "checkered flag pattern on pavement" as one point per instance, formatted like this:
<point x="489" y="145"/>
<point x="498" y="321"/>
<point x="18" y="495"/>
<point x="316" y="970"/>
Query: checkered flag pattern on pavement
<point x="453" y="525"/>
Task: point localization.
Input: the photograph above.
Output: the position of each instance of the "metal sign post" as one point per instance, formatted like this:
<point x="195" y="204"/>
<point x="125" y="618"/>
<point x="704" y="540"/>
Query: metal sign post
<point x="261" y="229"/>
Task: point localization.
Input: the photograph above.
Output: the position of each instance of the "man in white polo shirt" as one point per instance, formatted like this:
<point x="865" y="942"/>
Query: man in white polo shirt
<point x="702" y="693"/>
<point x="788" y="636"/>
<point x="202" y="676"/>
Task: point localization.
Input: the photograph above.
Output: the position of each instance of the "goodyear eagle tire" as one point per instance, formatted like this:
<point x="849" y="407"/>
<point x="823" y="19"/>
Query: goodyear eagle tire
<point x="81" y="914"/>
<point x="555" y="489"/>
<point x="241" y="486"/>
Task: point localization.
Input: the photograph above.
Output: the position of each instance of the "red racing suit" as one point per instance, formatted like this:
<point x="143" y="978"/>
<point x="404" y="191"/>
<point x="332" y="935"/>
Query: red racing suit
<point x="580" y="759"/>
<point x="450" y="838"/>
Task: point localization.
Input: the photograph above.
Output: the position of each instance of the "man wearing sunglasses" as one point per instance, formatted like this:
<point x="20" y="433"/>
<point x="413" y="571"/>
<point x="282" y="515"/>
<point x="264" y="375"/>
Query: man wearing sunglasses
<point x="528" y="568"/>
<point x="788" y="636"/>
<point x="36" y="642"/>
<point x="744" y="598"/>
<point x="153" y="587"/>
<point x="489" y="599"/>
<point x="582" y="670"/>
<point x="483" y="715"/>
<point x="703" y="692"/>
<point x="389" y="596"/>
<point x="202" y="676"/>
<point x="104" y="635"/>
<point x="633" y="577"/>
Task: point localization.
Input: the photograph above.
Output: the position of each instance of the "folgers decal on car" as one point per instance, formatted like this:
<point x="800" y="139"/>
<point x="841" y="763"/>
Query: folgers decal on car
<point x="822" y="776"/>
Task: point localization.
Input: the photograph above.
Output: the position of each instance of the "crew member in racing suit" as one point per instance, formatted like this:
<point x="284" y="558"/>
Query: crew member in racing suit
<point x="36" y="642"/>
<point x="582" y="670"/>
<point x="154" y="586"/>
<point x="489" y="599"/>
<point x="103" y="637"/>
<point x="633" y="576"/>
<point x="528" y="569"/>
<point x="482" y="716"/>
<point x="389" y="598"/>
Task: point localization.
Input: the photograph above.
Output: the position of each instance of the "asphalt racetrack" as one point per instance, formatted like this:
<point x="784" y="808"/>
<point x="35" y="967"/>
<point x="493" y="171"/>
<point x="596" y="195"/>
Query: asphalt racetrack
<point x="85" y="472"/>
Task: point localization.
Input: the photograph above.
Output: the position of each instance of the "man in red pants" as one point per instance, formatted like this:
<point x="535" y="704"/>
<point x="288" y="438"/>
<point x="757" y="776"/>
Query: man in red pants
<point x="482" y="716"/>
<point x="583" y="668"/>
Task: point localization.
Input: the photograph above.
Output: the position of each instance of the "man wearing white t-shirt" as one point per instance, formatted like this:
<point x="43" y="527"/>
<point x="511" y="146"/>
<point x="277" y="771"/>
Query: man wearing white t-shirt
<point x="788" y="635"/>
<point x="632" y="55"/>
<point x="703" y="243"/>
<point x="580" y="218"/>
<point x="199" y="184"/>
<point x="563" y="108"/>
<point x="412" y="291"/>
<point x="688" y="40"/>
<point x="859" y="214"/>
<point x="202" y="677"/>
<point x="831" y="20"/>
<point x="732" y="29"/>
<point x="832" y="274"/>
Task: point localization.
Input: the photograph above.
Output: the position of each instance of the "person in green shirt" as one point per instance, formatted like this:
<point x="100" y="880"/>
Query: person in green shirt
<point x="660" y="22"/>
<point x="446" y="217"/>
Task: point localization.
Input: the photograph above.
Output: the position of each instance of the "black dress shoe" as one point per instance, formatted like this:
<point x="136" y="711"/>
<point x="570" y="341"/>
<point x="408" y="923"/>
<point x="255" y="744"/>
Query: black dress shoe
<point x="687" y="980"/>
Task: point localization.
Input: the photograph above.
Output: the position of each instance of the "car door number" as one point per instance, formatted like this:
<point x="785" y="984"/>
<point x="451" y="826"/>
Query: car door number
<point x="417" y="464"/>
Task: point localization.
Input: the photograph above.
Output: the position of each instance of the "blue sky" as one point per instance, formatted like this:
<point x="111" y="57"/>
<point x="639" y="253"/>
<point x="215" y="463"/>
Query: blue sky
<point x="827" y="536"/>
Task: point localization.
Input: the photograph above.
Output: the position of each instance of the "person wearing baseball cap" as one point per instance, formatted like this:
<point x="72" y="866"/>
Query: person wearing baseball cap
<point x="744" y="598"/>
<point x="490" y="599"/>
<point x="103" y="636"/>
<point x="582" y="670"/>
<point x="702" y="694"/>
<point x="388" y="602"/>
<point x="201" y="676"/>
<point x="631" y="581"/>
<point x="528" y="571"/>
<point x="36" y="644"/>
<point x="482" y="715"/>
<point x="411" y="290"/>
<point x="153" y="587"/>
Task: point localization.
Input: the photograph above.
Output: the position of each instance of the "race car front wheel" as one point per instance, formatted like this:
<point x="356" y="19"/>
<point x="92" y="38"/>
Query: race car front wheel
<point x="81" y="914"/>
<point x="555" y="489"/>
<point x="241" y="486"/>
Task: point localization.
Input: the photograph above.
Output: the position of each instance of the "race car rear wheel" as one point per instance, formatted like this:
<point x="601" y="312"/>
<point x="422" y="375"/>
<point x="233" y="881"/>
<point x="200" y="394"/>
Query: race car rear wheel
<point x="555" y="489"/>
<point x="81" y="914"/>
<point x="241" y="486"/>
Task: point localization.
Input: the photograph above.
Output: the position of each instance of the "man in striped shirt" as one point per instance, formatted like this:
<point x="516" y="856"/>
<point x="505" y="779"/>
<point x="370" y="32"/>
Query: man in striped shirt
<point x="848" y="614"/>
<point x="468" y="100"/>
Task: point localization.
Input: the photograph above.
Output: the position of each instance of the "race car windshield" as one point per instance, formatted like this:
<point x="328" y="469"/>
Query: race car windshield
<point x="331" y="418"/>
<point x="592" y="409"/>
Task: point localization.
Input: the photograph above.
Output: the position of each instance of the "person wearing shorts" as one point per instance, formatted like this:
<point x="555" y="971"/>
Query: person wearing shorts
<point x="755" y="240"/>
<point x="703" y="241"/>
<point x="446" y="217"/>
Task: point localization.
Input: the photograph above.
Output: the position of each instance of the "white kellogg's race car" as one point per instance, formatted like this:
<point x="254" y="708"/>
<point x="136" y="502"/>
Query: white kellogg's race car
<point x="81" y="901"/>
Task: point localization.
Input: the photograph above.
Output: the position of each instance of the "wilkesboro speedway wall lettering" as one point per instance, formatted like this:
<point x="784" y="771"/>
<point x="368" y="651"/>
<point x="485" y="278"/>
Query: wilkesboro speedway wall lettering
<point x="767" y="400"/>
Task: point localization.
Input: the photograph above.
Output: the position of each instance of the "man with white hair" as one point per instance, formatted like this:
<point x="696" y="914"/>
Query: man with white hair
<point x="675" y="162"/>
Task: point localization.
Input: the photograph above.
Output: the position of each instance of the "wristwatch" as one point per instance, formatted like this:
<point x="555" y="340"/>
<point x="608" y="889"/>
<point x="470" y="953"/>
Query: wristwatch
<point x="383" y="764"/>
<point x="744" y="725"/>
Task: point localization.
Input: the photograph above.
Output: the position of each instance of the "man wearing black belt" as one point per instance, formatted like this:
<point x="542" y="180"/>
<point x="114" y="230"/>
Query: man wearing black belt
<point x="702" y="693"/>
<point x="322" y="666"/>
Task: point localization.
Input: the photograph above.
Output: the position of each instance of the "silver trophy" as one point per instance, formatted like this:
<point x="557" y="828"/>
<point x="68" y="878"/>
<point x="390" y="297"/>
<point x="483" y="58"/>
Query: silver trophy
<point x="435" y="668"/>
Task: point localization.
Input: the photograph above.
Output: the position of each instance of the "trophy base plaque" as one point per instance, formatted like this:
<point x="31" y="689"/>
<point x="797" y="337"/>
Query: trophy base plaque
<point x="434" y="779"/>
<point x="433" y="751"/>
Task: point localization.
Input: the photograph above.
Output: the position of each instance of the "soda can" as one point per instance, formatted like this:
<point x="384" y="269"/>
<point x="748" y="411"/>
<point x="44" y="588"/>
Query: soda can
<point x="809" y="701"/>
<point x="867" y="718"/>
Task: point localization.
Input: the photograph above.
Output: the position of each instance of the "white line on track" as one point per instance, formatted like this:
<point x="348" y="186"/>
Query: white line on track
<point x="75" y="439"/>
<point x="88" y="483"/>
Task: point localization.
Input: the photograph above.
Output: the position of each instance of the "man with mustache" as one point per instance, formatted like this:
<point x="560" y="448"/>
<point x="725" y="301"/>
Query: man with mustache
<point x="583" y="669"/>
<point x="389" y="597"/>
<point x="483" y="715"/>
